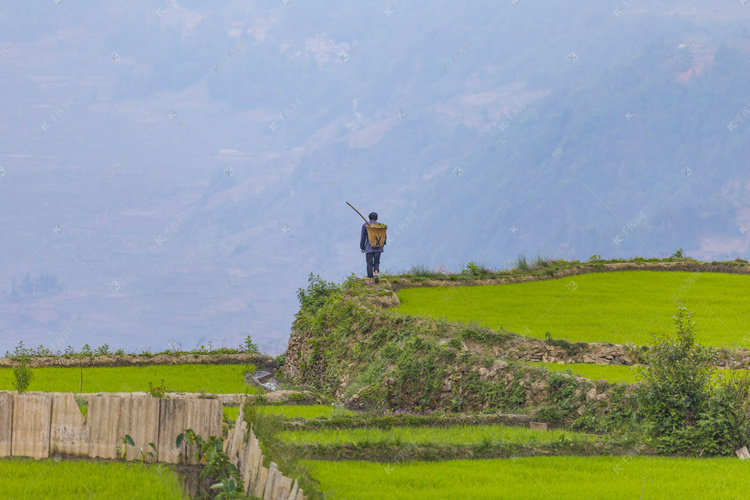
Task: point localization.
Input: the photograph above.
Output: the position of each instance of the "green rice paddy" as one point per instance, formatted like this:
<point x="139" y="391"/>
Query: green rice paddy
<point x="611" y="373"/>
<point x="423" y="435"/>
<point x="618" y="307"/>
<point x="72" y="480"/>
<point x="292" y="412"/>
<point x="560" y="478"/>
<point x="177" y="378"/>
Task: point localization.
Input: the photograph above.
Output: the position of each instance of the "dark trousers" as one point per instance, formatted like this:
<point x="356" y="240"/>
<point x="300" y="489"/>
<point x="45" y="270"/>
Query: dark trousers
<point x="373" y="262"/>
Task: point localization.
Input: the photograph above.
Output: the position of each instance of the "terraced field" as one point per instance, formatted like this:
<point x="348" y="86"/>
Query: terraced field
<point x="22" y="479"/>
<point x="293" y="411"/>
<point x="610" y="373"/>
<point x="178" y="378"/>
<point x="538" y="477"/>
<point x="466" y="434"/>
<point x="618" y="307"/>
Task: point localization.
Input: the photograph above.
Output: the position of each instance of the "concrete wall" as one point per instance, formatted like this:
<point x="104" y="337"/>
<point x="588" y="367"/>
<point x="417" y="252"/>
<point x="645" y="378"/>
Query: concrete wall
<point x="32" y="418"/>
<point x="172" y="421"/>
<point x="40" y="425"/>
<point x="69" y="434"/>
<point x="266" y="483"/>
<point x="6" y="423"/>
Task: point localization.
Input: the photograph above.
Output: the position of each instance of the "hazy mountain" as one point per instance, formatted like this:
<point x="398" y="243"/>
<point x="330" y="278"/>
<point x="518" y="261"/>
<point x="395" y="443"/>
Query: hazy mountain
<point x="173" y="171"/>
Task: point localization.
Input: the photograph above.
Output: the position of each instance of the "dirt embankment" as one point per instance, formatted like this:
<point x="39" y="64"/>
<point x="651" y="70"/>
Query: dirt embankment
<point x="261" y="361"/>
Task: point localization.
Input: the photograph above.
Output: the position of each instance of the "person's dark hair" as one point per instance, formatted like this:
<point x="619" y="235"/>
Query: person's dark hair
<point x="373" y="216"/>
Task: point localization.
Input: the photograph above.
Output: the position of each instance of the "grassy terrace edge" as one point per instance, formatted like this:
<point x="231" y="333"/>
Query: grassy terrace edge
<point x="542" y="269"/>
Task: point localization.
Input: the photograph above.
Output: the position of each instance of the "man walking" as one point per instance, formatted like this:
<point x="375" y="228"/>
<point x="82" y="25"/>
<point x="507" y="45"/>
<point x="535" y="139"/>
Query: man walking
<point x="372" y="254"/>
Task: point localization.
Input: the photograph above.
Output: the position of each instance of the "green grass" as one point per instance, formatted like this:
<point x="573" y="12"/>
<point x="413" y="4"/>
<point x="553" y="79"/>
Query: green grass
<point x="557" y="478"/>
<point x="422" y="435"/>
<point x="294" y="411"/>
<point x="611" y="373"/>
<point x="63" y="480"/>
<point x="179" y="378"/>
<point x="619" y="307"/>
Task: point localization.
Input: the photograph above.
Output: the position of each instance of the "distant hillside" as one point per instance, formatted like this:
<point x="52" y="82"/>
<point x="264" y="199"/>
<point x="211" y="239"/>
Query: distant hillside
<point x="181" y="168"/>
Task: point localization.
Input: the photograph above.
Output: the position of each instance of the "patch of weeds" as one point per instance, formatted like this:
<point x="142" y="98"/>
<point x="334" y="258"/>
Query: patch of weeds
<point x="158" y="391"/>
<point x="521" y="264"/>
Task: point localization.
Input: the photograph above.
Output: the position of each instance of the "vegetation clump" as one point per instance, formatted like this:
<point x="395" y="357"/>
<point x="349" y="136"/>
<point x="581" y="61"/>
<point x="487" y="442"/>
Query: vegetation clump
<point x="686" y="406"/>
<point x="22" y="374"/>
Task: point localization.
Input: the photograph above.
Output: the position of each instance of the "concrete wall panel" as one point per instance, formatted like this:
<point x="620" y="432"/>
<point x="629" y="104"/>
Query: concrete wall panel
<point x="204" y="416"/>
<point x="104" y="421"/>
<point x="6" y="423"/>
<point x="32" y="418"/>
<point x="139" y="417"/>
<point x="172" y="421"/>
<point x="69" y="432"/>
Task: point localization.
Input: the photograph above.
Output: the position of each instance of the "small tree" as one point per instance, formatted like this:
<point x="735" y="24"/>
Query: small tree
<point x="22" y="374"/>
<point x="249" y="346"/>
<point x="676" y="379"/>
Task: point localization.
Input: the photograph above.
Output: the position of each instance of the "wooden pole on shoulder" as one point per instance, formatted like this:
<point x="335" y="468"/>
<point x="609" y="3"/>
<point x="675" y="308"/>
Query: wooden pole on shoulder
<point x="363" y="217"/>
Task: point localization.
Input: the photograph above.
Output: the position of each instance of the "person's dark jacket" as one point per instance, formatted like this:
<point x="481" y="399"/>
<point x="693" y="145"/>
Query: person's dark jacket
<point x="364" y="241"/>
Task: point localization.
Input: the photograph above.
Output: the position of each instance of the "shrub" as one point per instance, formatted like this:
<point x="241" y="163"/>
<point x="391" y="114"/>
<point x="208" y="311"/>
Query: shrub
<point x="676" y="381"/>
<point x="316" y="294"/>
<point x="22" y="374"/>
<point x="475" y="269"/>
